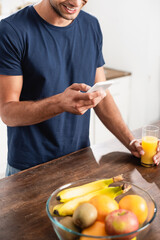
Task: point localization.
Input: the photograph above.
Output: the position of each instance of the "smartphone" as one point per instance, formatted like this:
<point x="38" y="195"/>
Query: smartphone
<point x="101" y="86"/>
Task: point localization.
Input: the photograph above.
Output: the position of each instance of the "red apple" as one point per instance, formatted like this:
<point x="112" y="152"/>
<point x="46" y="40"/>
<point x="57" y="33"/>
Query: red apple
<point x="121" y="221"/>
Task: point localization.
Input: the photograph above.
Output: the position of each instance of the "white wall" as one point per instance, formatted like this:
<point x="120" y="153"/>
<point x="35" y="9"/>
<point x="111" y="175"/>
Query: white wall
<point x="10" y="6"/>
<point x="131" y="30"/>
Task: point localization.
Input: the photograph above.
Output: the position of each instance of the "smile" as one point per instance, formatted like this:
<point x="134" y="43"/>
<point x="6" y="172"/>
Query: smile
<point x="70" y="10"/>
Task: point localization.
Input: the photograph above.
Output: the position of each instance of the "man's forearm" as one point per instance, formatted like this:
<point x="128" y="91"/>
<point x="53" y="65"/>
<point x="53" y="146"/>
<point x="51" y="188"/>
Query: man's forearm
<point x="72" y="100"/>
<point x="22" y="113"/>
<point x="109" y="114"/>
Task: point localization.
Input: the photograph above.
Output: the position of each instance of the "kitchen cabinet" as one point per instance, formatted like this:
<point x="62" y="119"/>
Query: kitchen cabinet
<point x="3" y="148"/>
<point x="121" y="94"/>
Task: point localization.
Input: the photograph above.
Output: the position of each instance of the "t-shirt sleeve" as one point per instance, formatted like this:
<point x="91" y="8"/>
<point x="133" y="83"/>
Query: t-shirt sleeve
<point x="10" y="50"/>
<point x="100" y="59"/>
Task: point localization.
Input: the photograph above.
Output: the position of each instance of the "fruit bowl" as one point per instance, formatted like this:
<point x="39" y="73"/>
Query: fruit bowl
<point x="65" y="233"/>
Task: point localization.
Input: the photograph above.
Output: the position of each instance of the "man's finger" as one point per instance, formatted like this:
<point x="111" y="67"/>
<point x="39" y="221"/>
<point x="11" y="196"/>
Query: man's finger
<point x="158" y="146"/>
<point x="91" y="96"/>
<point x="80" y="87"/>
<point x="90" y="103"/>
<point x="156" y="158"/>
<point x="138" y="146"/>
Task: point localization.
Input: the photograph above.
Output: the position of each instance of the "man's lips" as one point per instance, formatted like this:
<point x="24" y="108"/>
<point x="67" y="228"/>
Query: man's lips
<point x="70" y="10"/>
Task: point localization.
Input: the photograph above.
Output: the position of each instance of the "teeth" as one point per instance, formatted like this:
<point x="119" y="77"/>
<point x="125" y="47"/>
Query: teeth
<point x="71" y="9"/>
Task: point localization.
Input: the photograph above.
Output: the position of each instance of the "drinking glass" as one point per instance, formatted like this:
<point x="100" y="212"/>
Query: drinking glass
<point x="150" y="136"/>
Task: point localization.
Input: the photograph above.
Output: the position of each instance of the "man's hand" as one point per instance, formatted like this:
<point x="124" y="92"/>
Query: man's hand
<point x="137" y="150"/>
<point x="14" y="112"/>
<point x="76" y="100"/>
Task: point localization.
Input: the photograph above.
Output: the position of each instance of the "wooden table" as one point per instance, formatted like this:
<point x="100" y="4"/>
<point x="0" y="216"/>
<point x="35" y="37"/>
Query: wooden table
<point x="23" y="196"/>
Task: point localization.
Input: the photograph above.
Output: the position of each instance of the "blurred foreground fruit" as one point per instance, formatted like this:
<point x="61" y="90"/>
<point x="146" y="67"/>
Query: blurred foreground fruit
<point x="135" y="204"/>
<point x="69" y="207"/>
<point x="104" y="206"/>
<point x="121" y="221"/>
<point x="70" y="193"/>
<point x="68" y="223"/>
<point x="97" y="229"/>
<point x="84" y="215"/>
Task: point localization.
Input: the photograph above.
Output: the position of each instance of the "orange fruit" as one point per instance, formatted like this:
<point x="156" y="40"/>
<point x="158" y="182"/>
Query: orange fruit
<point x="96" y="229"/>
<point x="104" y="205"/>
<point x="135" y="204"/>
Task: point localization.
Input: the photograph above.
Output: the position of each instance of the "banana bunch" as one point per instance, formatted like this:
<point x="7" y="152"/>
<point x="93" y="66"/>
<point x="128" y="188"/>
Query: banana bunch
<point x="71" y="198"/>
<point x="74" y="192"/>
<point x="68" y="208"/>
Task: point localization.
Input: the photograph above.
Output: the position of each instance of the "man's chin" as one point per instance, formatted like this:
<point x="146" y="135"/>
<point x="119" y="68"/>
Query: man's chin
<point x="70" y="17"/>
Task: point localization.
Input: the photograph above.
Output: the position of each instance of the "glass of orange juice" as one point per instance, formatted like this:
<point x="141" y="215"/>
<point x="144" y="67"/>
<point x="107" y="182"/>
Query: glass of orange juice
<point x="150" y="136"/>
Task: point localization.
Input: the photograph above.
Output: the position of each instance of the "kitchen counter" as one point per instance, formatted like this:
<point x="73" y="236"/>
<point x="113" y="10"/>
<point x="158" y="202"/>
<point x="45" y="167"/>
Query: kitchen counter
<point x="111" y="73"/>
<point x="23" y="196"/>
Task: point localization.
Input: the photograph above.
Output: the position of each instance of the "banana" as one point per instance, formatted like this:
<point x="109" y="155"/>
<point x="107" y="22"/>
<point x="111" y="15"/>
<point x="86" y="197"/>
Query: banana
<point x="68" y="208"/>
<point x="74" y="192"/>
<point x="55" y="213"/>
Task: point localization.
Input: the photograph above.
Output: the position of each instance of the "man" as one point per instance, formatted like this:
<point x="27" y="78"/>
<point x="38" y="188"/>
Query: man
<point x="50" y="54"/>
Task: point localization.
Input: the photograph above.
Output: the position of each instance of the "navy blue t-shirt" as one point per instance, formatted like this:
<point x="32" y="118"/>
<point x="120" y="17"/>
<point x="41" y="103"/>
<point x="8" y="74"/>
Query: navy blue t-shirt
<point x="50" y="58"/>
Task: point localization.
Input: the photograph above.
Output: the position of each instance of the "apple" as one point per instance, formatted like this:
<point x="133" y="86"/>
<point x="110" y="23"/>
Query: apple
<point x="121" y="221"/>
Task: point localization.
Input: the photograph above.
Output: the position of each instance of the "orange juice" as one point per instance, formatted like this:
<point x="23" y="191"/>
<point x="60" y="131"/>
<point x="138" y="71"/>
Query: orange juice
<point x="149" y="144"/>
